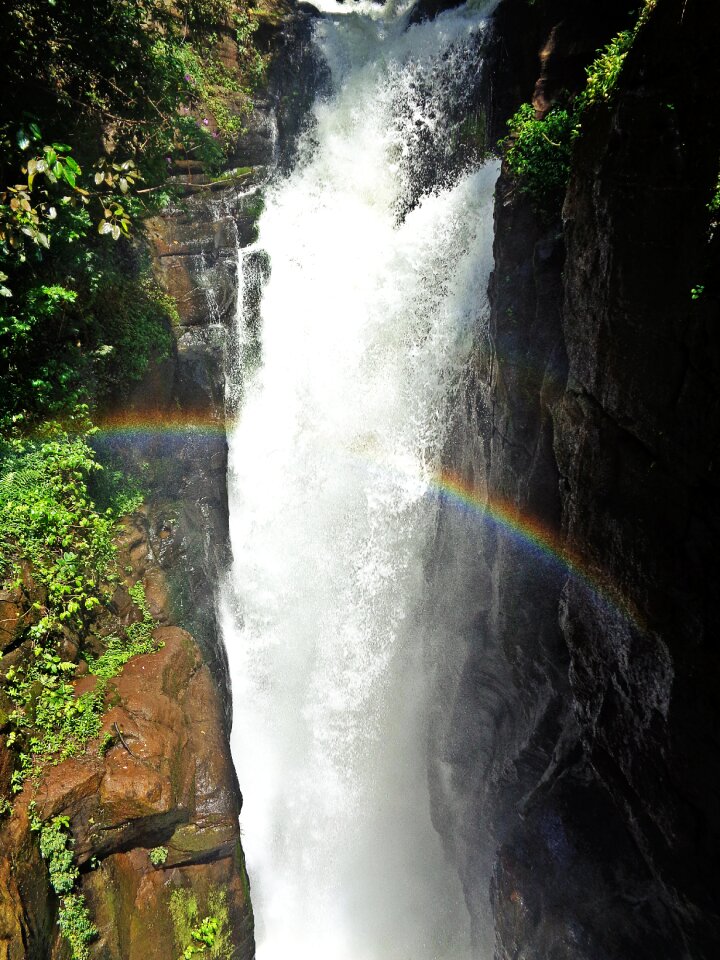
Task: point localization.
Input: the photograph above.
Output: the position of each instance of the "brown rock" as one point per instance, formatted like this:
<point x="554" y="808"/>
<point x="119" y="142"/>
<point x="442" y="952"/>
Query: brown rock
<point x="13" y="922"/>
<point x="13" y="617"/>
<point x="157" y="595"/>
<point x="168" y="780"/>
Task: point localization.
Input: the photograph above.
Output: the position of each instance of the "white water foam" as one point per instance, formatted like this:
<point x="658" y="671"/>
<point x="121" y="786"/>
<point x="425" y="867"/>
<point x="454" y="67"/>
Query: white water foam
<point x="367" y="326"/>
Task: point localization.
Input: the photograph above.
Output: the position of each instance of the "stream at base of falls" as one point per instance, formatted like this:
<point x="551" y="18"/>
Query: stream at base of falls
<point x="379" y="245"/>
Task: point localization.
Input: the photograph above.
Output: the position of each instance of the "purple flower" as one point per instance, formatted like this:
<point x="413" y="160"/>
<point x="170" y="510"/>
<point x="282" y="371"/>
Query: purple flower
<point x="205" y="121"/>
<point x="188" y="78"/>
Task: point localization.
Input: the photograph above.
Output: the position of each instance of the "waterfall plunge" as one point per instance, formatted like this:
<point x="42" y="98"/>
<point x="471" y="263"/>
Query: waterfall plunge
<point x="367" y="325"/>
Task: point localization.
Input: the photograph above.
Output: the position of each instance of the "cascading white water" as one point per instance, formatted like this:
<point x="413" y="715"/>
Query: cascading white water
<point x="367" y="325"/>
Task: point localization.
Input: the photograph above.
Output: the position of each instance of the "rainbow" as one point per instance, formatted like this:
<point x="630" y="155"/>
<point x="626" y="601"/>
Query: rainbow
<point x="531" y="532"/>
<point x="447" y="486"/>
<point x="162" y="423"/>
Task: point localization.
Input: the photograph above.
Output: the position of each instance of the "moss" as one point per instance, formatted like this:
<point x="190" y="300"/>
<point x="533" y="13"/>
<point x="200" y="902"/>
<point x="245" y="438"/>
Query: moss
<point x="201" y="927"/>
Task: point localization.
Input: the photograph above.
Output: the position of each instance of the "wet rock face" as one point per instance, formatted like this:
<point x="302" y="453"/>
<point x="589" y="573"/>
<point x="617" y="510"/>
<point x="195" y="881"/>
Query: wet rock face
<point x="194" y="245"/>
<point x="574" y="766"/>
<point x="637" y="434"/>
<point x="167" y="778"/>
<point x="164" y="778"/>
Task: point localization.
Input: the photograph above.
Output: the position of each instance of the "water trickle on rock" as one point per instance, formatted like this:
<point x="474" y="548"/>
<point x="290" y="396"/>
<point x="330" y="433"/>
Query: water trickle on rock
<point x="379" y="245"/>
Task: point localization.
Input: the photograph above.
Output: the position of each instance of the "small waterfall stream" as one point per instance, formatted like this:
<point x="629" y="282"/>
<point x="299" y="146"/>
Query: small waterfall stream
<point x="375" y="293"/>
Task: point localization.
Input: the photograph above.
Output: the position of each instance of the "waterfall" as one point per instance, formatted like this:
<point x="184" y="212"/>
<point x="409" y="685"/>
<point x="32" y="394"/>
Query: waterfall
<point x="379" y="249"/>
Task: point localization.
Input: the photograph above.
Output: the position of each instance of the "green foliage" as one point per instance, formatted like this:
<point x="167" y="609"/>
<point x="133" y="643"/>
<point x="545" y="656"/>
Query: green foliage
<point x="158" y="856"/>
<point x="138" y="640"/>
<point x="47" y="187"/>
<point x="105" y="62"/>
<point x="603" y="72"/>
<point x="97" y="326"/>
<point x="55" y="848"/>
<point x="209" y="936"/>
<point x="47" y="519"/>
<point x="99" y="103"/>
<point x="538" y="153"/>
<point x="76" y="925"/>
<point x="51" y="531"/>
<point x="73" y="915"/>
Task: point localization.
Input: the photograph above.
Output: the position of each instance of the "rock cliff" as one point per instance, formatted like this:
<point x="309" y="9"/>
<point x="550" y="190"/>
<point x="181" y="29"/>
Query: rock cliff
<point x="152" y="805"/>
<point x="158" y="775"/>
<point x="574" y="763"/>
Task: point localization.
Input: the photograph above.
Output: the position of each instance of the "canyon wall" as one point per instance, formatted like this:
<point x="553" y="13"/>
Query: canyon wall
<point x="574" y="762"/>
<point x="153" y="804"/>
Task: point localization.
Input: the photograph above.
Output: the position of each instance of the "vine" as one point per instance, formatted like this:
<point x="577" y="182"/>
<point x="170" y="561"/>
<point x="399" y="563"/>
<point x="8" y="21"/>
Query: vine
<point x="74" y="919"/>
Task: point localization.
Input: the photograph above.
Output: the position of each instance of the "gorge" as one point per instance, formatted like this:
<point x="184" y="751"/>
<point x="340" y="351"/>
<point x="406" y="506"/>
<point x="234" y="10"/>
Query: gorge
<point x="429" y="506"/>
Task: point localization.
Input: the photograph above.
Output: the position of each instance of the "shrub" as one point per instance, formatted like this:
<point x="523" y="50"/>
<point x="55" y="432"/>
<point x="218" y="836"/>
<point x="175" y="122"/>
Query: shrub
<point x="538" y="153"/>
<point x="603" y="72"/>
<point x="158" y="856"/>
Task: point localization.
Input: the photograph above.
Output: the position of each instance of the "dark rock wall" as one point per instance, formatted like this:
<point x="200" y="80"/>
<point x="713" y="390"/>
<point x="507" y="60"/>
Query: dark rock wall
<point x="574" y="755"/>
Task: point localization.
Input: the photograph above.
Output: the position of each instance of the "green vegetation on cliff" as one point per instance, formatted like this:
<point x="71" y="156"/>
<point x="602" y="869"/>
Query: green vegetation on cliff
<point x="58" y="557"/>
<point x="103" y="105"/>
<point x="106" y="107"/>
<point x="73" y="915"/>
<point x="207" y="936"/>
<point x="539" y="153"/>
<point x="538" y="149"/>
